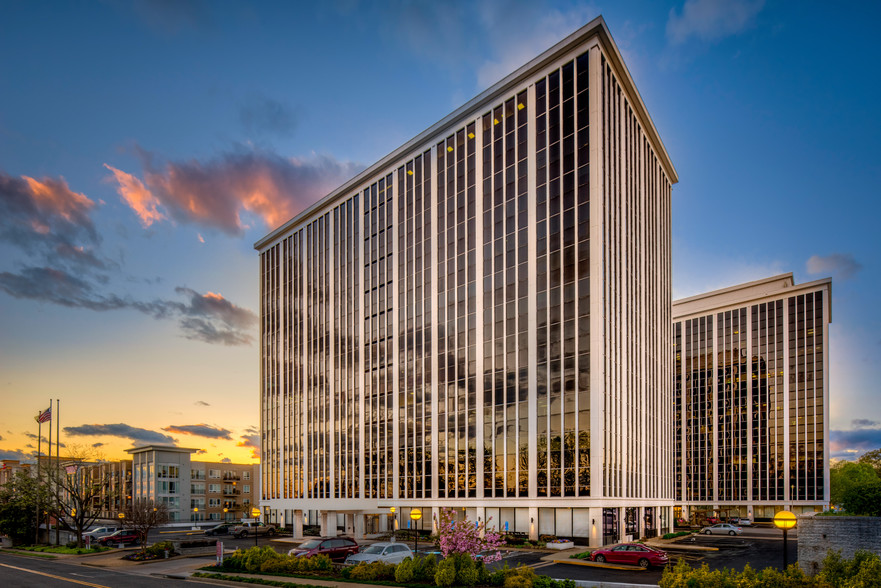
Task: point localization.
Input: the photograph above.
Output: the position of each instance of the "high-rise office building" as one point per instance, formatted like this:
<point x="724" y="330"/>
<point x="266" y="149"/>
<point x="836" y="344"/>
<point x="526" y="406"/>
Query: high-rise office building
<point x="482" y="319"/>
<point x="751" y="387"/>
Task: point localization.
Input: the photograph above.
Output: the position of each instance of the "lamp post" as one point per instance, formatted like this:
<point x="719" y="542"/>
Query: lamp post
<point x="415" y="515"/>
<point x="255" y="512"/>
<point x="784" y="520"/>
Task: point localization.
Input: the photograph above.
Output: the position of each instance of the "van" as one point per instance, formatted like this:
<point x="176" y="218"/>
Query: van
<point x="99" y="532"/>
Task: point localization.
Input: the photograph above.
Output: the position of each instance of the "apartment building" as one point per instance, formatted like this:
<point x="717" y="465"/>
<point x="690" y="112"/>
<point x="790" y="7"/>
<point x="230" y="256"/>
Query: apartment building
<point x="481" y="320"/>
<point x="193" y="491"/>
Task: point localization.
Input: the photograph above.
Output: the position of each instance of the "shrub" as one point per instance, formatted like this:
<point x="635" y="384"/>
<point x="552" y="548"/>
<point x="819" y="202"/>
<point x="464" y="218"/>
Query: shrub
<point x="546" y="538"/>
<point x="425" y="569"/>
<point x="446" y="573"/>
<point x="158" y="549"/>
<point x="548" y="582"/>
<point x="371" y="572"/>
<point x="405" y="571"/>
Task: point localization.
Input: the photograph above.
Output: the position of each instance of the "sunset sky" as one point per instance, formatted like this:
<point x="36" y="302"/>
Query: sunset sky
<point x="146" y="145"/>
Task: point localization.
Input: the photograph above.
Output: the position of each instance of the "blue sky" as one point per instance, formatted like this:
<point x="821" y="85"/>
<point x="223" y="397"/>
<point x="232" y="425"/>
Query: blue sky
<point x="145" y="146"/>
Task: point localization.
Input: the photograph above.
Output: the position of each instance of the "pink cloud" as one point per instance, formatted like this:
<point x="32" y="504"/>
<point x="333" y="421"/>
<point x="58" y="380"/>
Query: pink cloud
<point x="223" y="191"/>
<point x="137" y="196"/>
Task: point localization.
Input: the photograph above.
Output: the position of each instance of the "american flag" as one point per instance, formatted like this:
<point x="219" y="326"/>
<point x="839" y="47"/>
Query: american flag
<point x="45" y="416"/>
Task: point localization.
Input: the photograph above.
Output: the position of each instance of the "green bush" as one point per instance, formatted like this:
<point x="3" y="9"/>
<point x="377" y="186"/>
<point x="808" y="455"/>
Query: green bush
<point x="373" y="571"/>
<point x="547" y="582"/>
<point x="674" y="535"/>
<point x="158" y="549"/>
<point x="520" y="577"/>
<point x="405" y="571"/>
<point x="425" y="569"/>
<point x="446" y="573"/>
<point x="863" y="499"/>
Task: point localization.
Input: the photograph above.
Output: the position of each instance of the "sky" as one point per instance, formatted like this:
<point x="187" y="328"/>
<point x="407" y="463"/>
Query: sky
<point x="145" y="146"/>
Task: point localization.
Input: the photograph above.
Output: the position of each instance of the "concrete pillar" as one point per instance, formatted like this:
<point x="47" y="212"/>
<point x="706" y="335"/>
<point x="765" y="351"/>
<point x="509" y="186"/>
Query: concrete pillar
<point x="621" y="525"/>
<point x="435" y="513"/>
<point x="298" y="524"/>
<point x="533" y="523"/>
<point x="358" y="526"/>
<point x="640" y="522"/>
<point x="480" y="515"/>
<point x="596" y="526"/>
<point x="328" y="524"/>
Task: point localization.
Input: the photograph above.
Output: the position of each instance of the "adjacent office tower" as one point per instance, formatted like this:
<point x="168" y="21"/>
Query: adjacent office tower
<point x="482" y="320"/>
<point x="751" y="383"/>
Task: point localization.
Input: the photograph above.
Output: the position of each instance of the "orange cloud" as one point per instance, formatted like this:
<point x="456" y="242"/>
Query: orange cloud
<point x="54" y="196"/>
<point x="221" y="191"/>
<point x="137" y="196"/>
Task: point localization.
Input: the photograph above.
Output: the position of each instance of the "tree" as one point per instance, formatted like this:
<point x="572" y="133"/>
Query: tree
<point x="863" y="499"/>
<point x="143" y="515"/>
<point x="20" y="498"/>
<point x="846" y="474"/>
<point x="76" y="490"/>
<point x="464" y="537"/>
<point x="873" y="458"/>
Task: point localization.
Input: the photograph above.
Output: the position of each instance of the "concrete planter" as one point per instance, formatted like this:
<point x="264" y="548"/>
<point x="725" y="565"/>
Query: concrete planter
<point x="560" y="546"/>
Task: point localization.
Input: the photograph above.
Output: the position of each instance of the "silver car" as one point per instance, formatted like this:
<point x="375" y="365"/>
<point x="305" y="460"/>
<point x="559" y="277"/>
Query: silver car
<point x="393" y="553"/>
<point x="722" y="529"/>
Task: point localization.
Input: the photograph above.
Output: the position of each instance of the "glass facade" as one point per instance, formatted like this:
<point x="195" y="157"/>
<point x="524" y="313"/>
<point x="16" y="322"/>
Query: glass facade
<point x="387" y="376"/>
<point x="750" y="398"/>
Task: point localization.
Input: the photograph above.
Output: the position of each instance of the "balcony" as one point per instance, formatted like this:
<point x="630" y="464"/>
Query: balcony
<point x="232" y="492"/>
<point x="231" y="477"/>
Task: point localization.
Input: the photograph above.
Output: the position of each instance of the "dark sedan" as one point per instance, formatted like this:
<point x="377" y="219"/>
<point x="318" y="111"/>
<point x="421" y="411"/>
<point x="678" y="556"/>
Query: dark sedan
<point x="224" y="529"/>
<point x="635" y="554"/>
<point x="336" y="548"/>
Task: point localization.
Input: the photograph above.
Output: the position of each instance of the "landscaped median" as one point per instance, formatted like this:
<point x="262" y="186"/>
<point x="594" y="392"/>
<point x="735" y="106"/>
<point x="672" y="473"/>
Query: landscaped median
<point x="51" y="551"/>
<point x="427" y="571"/>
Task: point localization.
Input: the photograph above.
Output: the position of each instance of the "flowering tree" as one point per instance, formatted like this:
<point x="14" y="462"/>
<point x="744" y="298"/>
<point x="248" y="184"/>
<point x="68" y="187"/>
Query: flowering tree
<point x="466" y="538"/>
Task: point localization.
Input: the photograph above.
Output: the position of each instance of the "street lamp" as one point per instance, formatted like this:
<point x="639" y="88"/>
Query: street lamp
<point x="784" y="520"/>
<point x="415" y="515"/>
<point x="195" y="513"/>
<point x="255" y="512"/>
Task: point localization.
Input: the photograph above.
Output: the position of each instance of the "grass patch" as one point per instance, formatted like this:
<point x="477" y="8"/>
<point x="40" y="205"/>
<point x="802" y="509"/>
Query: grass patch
<point x="583" y="555"/>
<point x="63" y="550"/>
<point x="26" y="553"/>
<point x="675" y="535"/>
<point x="253" y="580"/>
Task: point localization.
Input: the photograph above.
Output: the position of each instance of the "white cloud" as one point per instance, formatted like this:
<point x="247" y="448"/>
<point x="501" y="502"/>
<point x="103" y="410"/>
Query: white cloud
<point x="518" y="33"/>
<point x="840" y="266"/>
<point x="711" y="20"/>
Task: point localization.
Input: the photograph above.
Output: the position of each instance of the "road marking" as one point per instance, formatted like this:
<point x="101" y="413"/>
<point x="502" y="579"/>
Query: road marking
<point x="62" y="578"/>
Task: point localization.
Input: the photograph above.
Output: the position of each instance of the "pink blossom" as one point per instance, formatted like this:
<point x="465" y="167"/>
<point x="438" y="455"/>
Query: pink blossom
<point x="464" y="537"/>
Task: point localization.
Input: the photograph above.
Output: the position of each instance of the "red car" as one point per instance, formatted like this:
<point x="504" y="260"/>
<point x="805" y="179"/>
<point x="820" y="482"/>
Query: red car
<point x="336" y="548"/>
<point x="631" y="553"/>
<point x="121" y="537"/>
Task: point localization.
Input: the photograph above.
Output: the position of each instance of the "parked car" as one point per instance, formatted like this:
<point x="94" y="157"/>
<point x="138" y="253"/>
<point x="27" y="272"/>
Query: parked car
<point x="121" y="537"/>
<point x="635" y="554"/>
<point x="222" y="529"/>
<point x="713" y="520"/>
<point x="99" y="532"/>
<point x="387" y="552"/>
<point x="248" y="529"/>
<point x="336" y="548"/>
<point x="722" y="529"/>
<point x="744" y="523"/>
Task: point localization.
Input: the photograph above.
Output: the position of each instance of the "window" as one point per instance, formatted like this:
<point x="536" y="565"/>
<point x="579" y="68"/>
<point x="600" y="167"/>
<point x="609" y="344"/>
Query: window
<point x="213" y="503"/>
<point x="167" y="471"/>
<point x="246" y="475"/>
<point x="246" y="488"/>
<point x="214" y="488"/>
<point x="214" y="516"/>
<point x="198" y="474"/>
<point x="214" y="474"/>
<point x="246" y="502"/>
<point x="197" y="503"/>
<point x="197" y="488"/>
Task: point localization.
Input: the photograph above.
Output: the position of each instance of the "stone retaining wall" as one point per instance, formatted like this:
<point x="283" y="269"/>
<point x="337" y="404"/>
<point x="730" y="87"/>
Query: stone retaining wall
<point x="818" y="534"/>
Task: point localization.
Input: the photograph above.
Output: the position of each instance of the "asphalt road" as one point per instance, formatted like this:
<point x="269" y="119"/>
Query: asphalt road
<point x="33" y="572"/>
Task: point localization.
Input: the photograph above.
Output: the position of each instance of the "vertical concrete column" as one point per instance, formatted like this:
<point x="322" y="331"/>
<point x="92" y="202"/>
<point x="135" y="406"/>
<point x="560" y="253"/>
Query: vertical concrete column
<point x="298" y="524"/>
<point x="640" y="523"/>
<point x="435" y="513"/>
<point x="596" y="526"/>
<point x="358" y="526"/>
<point x="350" y="524"/>
<point x="533" y="523"/>
<point x="480" y="513"/>
<point x="621" y="524"/>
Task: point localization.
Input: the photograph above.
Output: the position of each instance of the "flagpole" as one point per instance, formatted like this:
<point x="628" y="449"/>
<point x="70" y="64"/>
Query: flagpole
<point x="57" y="460"/>
<point x="39" y="451"/>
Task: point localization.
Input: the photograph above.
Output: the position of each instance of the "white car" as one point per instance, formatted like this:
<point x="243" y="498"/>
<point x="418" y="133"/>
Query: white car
<point x="722" y="529"/>
<point x="393" y="553"/>
<point x="99" y="532"/>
